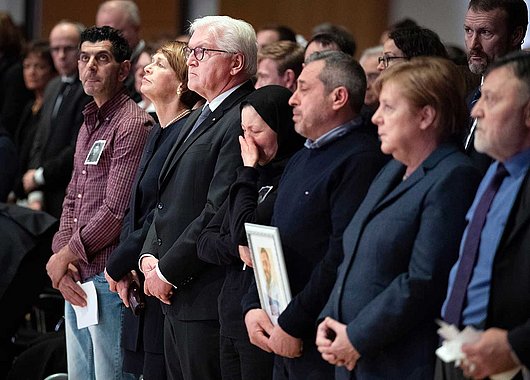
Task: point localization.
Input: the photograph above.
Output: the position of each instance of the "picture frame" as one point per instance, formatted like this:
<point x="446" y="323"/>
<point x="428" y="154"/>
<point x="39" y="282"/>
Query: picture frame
<point x="95" y="152"/>
<point x="269" y="269"/>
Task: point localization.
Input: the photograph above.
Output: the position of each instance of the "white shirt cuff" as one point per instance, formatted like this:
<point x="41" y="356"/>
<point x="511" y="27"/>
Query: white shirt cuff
<point x="38" y="177"/>
<point x="141" y="258"/>
<point x="161" y="276"/>
<point x="36" y="196"/>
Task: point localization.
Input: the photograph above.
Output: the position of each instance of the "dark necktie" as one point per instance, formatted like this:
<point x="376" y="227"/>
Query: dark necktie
<point x="63" y="93"/>
<point x="205" y="113"/>
<point x="455" y="303"/>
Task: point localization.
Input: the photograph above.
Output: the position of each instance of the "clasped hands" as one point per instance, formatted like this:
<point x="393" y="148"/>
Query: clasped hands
<point x="333" y="343"/>
<point x="153" y="285"/>
<point x="63" y="272"/>
<point x="271" y="338"/>
<point x="490" y="355"/>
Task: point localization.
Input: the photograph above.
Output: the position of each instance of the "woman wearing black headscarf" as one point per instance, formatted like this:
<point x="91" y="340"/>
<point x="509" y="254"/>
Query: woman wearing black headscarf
<point x="268" y="143"/>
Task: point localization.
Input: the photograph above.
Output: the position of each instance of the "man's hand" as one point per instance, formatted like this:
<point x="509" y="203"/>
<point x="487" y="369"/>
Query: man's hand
<point x="492" y="354"/>
<point x="70" y="290"/>
<point x="28" y="181"/>
<point x="259" y="328"/>
<point x="148" y="263"/>
<point x="155" y="287"/>
<point x="244" y="254"/>
<point x="334" y="345"/>
<point x="284" y="344"/>
<point x="58" y="264"/>
<point x="123" y="285"/>
<point x="35" y="205"/>
<point x="249" y="151"/>
<point x="112" y="283"/>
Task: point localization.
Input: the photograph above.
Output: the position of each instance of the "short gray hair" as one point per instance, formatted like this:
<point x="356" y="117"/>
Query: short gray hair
<point x="372" y="51"/>
<point x="127" y="6"/>
<point x="341" y="69"/>
<point x="235" y="36"/>
<point x="77" y="25"/>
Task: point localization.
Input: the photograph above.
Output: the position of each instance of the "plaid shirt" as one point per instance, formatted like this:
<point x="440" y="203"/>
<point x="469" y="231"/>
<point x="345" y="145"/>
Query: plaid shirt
<point x="97" y="195"/>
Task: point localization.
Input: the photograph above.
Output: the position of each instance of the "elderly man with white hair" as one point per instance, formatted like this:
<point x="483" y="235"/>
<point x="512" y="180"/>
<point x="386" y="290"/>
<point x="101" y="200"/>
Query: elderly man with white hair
<point x="193" y="183"/>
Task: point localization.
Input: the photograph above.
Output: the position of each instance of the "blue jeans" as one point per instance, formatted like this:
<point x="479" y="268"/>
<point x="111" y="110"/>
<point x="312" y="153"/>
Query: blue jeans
<point x="95" y="352"/>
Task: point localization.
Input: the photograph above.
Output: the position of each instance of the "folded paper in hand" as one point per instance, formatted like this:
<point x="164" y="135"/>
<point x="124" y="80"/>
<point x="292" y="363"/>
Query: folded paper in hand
<point x="451" y="349"/>
<point x="88" y="315"/>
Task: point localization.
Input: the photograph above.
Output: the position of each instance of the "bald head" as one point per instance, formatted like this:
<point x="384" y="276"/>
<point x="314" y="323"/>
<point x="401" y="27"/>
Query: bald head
<point x="122" y="15"/>
<point x="64" y="42"/>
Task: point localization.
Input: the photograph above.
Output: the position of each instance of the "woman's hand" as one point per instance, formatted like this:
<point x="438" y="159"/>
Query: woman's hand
<point x="249" y="151"/>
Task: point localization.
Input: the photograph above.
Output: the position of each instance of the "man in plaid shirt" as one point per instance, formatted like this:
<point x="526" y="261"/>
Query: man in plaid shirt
<point x="108" y="150"/>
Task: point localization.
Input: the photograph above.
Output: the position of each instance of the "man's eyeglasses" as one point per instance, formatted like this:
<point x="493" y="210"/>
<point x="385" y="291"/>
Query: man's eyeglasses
<point x="198" y="52"/>
<point x="386" y="59"/>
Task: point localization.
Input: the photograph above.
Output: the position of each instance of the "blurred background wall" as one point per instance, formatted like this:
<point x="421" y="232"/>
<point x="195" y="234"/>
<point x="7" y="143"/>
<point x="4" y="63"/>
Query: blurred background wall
<point x="161" y="18"/>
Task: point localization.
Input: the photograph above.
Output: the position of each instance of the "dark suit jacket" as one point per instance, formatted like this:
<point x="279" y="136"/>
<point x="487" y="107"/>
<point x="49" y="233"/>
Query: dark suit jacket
<point x="54" y="144"/>
<point x="9" y="169"/>
<point x="13" y="93"/>
<point x="193" y="184"/>
<point x="509" y="303"/>
<point x="145" y="333"/>
<point x="399" y="248"/>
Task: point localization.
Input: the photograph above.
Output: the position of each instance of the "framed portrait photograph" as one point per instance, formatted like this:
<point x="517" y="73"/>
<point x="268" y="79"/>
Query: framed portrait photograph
<point x="95" y="152"/>
<point x="269" y="269"/>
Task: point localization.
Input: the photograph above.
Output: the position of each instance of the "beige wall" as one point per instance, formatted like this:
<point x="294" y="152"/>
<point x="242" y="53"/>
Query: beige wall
<point x="365" y="19"/>
<point x="159" y="17"/>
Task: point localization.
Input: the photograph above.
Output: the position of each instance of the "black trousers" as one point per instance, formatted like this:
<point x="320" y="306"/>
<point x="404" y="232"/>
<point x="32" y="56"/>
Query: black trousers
<point x="191" y="349"/>
<point x="241" y="360"/>
<point x="447" y="371"/>
<point x="309" y="366"/>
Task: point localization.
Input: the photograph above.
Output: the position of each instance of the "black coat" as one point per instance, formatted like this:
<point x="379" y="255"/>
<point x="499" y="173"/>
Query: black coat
<point x="55" y="140"/>
<point x="193" y="184"/>
<point x="509" y="302"/>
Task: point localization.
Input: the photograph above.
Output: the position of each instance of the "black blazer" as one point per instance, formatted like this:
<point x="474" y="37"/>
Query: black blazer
<point x="509" y="303"/>
<point x="193" y="184"/>
<point x="55" y="140"/>
<point x="146" y="333"/>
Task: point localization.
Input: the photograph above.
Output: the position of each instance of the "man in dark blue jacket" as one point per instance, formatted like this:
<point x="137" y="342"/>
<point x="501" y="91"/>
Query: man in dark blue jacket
<point x="323" y="185"/>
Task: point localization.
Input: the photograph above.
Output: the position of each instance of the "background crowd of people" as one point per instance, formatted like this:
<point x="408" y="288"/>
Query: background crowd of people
<point x="398" y="185"/>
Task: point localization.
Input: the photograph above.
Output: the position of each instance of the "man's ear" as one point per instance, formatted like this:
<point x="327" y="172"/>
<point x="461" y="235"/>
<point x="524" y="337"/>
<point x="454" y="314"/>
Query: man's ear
<point x="289" y="79"/>
<point x="238" y="63"/>
<point x="517" y="37"/>
<point x="340" y="97"/>
<point x="123" y="72"/>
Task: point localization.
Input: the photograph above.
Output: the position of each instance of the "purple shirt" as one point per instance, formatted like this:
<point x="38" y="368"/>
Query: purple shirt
<point x="98" y="193"/>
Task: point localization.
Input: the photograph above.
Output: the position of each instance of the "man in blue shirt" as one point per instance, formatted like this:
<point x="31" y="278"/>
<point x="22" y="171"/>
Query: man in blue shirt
<point x="497" y="295"/>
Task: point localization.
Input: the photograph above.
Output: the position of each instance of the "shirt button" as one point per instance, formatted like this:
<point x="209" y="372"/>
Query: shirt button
<point x="160" y="206"/>
<point x="83" y="172"/>
<point x="75" y="220"/>
<point x="159" y="241"/>
<point x="78" y="195"/>
<point x="306" y="192"/>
